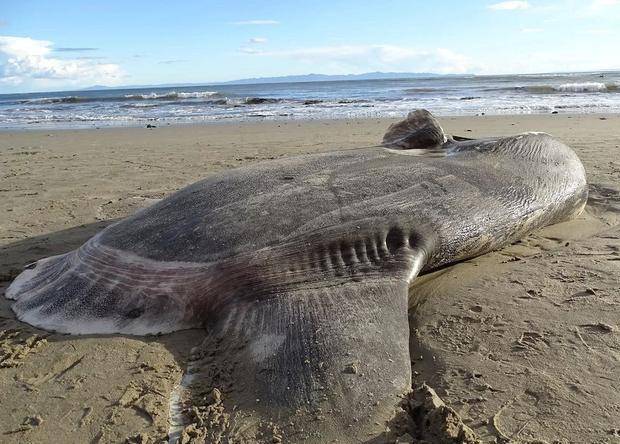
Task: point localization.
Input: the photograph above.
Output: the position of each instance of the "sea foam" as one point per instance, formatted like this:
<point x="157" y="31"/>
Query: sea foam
<point x="172" y="95"/>
<point x="585" y="87"/>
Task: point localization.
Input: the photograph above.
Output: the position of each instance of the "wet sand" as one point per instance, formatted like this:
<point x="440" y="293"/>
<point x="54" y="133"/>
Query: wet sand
<point x="523" y="343"/>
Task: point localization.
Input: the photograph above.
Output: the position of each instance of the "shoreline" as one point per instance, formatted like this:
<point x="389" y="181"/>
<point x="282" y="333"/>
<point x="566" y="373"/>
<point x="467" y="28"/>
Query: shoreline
<point x="262" y="121"/>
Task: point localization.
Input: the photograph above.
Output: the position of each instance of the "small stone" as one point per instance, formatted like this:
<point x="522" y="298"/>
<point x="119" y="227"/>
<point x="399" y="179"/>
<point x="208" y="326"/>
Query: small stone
<point x="351" y="368"/>
<point x="34" y="421"/>
<point x="215" y="397"/>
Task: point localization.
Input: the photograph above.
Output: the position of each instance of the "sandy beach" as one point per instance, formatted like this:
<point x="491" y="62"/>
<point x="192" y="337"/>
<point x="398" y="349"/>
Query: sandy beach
<point x="523" y="343"/>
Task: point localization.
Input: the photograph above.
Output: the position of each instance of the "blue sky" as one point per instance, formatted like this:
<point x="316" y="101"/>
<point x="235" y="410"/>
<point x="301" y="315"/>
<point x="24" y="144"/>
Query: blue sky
<point x="55" y="45"/>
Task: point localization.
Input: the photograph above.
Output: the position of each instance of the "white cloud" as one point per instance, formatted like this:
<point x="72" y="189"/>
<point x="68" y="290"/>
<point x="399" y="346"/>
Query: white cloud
<point x="256" y="22"/>
<point x="23" y="59"/>
<point x="19" y="46"/>
<point x="359" y="58"/>
<point x="257" y="40"/>
<point x="531" y="30"/>
<point x="509" y="5"/>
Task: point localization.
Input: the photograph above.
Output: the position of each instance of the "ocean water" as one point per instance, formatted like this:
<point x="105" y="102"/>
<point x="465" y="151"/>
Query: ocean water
<point x="442" y="95"/>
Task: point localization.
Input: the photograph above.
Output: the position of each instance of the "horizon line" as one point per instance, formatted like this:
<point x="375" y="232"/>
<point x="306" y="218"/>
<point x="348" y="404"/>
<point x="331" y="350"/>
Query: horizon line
<point x="248" y="79"/>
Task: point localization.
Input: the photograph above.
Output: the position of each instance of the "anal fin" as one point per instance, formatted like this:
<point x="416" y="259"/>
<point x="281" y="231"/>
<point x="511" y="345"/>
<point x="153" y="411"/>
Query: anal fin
<point x="318" y="364"/>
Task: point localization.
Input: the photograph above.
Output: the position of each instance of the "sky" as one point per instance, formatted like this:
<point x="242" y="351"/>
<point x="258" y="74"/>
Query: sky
<point x="61" y="45"/>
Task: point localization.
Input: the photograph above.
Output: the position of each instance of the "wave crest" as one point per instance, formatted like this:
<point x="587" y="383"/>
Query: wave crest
<point x="586" y="87"/>
<point x="576" y="87"/>
<point x="47" y="100"/>
<point x="172" y="95"/>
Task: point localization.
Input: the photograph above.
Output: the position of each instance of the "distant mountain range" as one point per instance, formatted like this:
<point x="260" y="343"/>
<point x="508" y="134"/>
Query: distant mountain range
<point x="285" y="79"/>
<point x="327" y="77"/>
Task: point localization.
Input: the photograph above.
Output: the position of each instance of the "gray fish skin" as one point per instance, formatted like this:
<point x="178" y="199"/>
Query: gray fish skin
<point x="299" y="268"/>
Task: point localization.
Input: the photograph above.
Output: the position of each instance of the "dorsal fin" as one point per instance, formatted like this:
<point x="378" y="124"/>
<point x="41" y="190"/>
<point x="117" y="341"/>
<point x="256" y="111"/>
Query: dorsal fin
<point x="419" y="130"/>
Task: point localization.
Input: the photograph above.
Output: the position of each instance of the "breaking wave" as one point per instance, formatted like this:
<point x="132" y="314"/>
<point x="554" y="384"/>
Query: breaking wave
<point x="577" y="87"/>
<point x="172" y="95"/>
<point x="588" y="87"/>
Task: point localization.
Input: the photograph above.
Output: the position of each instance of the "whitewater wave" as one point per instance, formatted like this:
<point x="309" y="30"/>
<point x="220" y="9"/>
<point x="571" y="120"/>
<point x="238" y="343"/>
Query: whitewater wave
<point x="144" y="100"/>
<point x="588" y="87"/>
<point x="140" y="105"/>
<point x="172" y="95"/>
<point x="576" y="87"/>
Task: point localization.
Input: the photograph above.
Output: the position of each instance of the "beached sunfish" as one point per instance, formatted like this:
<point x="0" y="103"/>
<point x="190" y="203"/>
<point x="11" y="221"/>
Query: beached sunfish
<point x="299" y="268"/>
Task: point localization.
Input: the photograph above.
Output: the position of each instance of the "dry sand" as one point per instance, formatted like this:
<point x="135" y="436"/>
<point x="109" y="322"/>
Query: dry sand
<point x="523" y="343"/>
